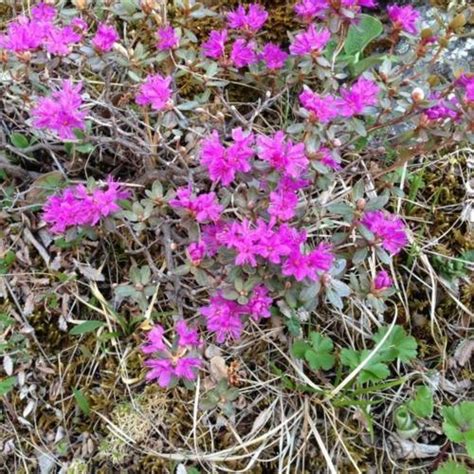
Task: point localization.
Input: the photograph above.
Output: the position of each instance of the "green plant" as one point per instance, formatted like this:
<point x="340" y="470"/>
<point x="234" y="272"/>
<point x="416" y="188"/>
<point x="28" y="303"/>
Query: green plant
<point x="451" y="467"/>
<point x="317" y="352"/>
<point x="458" y="425"/>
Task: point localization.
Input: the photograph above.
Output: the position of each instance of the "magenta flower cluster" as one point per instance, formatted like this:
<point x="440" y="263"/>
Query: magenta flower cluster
<point x="404" y="18"/>
<point x="155" y="92"/>
<point x="388" y="229"/>
<point x="40" y="32"/>
<point x="62" y="111"/>
<point x="78" y="206"/>
<point x="178" y="361"/>
<point x="105" y="38"/>
<point x="309" y="10"/>
<point x="225" y="317"/>
<point x="352" y="101"/>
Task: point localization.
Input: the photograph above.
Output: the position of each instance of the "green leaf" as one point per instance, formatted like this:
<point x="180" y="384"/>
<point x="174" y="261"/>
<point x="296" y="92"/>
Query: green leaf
<point x="361" y="34"/>
<point x="451" y="467"/>
<point x="373" y="370"/>
<point x="399" y="345"/>
<point x="6" y="385"/>
<point x="85" y="327"/>
<point x="458" y="424"/>
<point x="422" y="404"/>
<point x="19" y="140"/>
<point x="299" y="349"/>
<point x="320" y="356"/>
<point x="82" y="401"/>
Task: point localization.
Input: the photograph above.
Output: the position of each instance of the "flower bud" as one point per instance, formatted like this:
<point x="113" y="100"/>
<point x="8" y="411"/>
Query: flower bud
<point x="417" y="94"/>
<point x="81" y="5"/>
<point x="360" y="204"/>
<point x="148" y="6"/>
<point x="458" y="22"/>
<point x="426" y="33"/>
<point x="336" y="142"/>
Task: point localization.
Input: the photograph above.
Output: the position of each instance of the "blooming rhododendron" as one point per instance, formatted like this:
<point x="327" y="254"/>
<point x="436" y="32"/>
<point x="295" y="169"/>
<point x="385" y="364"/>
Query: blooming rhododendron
<point x="243" y="53"/>
<point x="273" y="56"/>
<point x="322" y="108"/>
<point x="196" y="252"/>
<point x="404" y="18"/>
<point x="311" y="41"/>
<point x="283" y="154"/>
<point x="224" y="318"/>
<point x="259" y="304"/>
<point x="43" y="12"/>
<point x="155" y="91"/>
<point x="61" y="111"/>
<point x="167" y="38"/>
<point x="251" y="21"/>
<point x="59" y="41"/>
<point x="105" y="38"/>
<point x="223" y="163"/>
<point x="382" y="281"/>
<point x="77" y="206"/>
<point x="23" y="35"/>
<point x="444" y="109"/>
<point x="214" y="47"/>
<point x="388" y="229"/>
<point x="326" y="157"/>
<point x="180" y="362"/>
<point x="363" y="93"/>
<point x="203" y="207"/>
<point x="308" y="10"/>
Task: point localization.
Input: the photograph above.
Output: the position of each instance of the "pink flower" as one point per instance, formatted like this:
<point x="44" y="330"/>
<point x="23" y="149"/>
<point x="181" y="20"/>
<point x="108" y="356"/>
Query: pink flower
<point x="303" y="266"/>
<point x="283" y="200"/>
<point x="326" y="157"/>
<point x="154" y="340"/>
<point x="167" y="38"/>
<point x="214" y="47"/>
<point x="79" y="25"/>
<point x="467" y="81"/>
<point x="322" y="108"/>
<point x="223" y="318"/>
<point x="155" y="91"/>
<point x="61" y="111"/>
<point x="196" y="252"/>
<point x="273" y="56"/>
<point x="283" y="154"/>
<point x="77" y="206"/>
<point x="223" y="163"/>
<point x="243" y="53"/>
<point x="362" y="94"/>
<point x="59" y="41"/>
<point x="382" y="281"/>
<point x="43" y="12"/>
<point x="321" y="258"/>
<point x="404" y="18"/>
<point x="203" y="207"/>
<point x="259" y="304"/>
<point x="105" y="38"/>
<point x="388" y="229"/>
<point x="308" y="10"/>
<point x="311" y="41"/>
<point x="211" y="236"/>
<point x="244" y="240"/>
<point x="251" y="21"/>
<point x="187" y="337"/>
<point x="187" y="367"/>
<point x="24" y="35"/>
<point x="161" y="370"/>
<point x="444" y="109"/>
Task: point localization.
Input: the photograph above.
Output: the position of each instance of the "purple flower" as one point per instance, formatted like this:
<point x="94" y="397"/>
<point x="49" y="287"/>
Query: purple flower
<point x="283" y="154"/>
<point x="259" y="304"/>
<point x="61" y="111"/>
<point x="214" y="47"/>
<point x="79" y="25"/>
<point x="76" y="206"/>
<point x="362" y="94"/>
<point x="161" y="370"/>
<point x="196" y="252"/>
<point x="24" y="35"/>
<point x="404" y="18"/>
<point x="388" y="229"/>
<point x="251" y="21"/>
<point x="59" y="41"/>
<point x="382" y="281"/>
<point x="203" y="207"/>
<point x="326" y="157"/>
<point x="43" y="12"/>
<point x="308" y="10"/>
<point x="444" y="109"/>
<point x="322" y="108"/>
<point x="311" y="41"/>
<point x="154" y="340"/>
<point x="243" y="53"/>
<point x="223" y="163"/>
<point x="273" y="56"/>
<point x="467" y="81"/>
<point x="156" y="92"/>
<point x="167" y="38"/>
<point x="187" y="337"/>
<point x="105" y="38"/>
<point x="283" y="200"/>
<point x="223" y="318"/>
<point x="187" y="368"/>
<point x="303" y="266"/>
